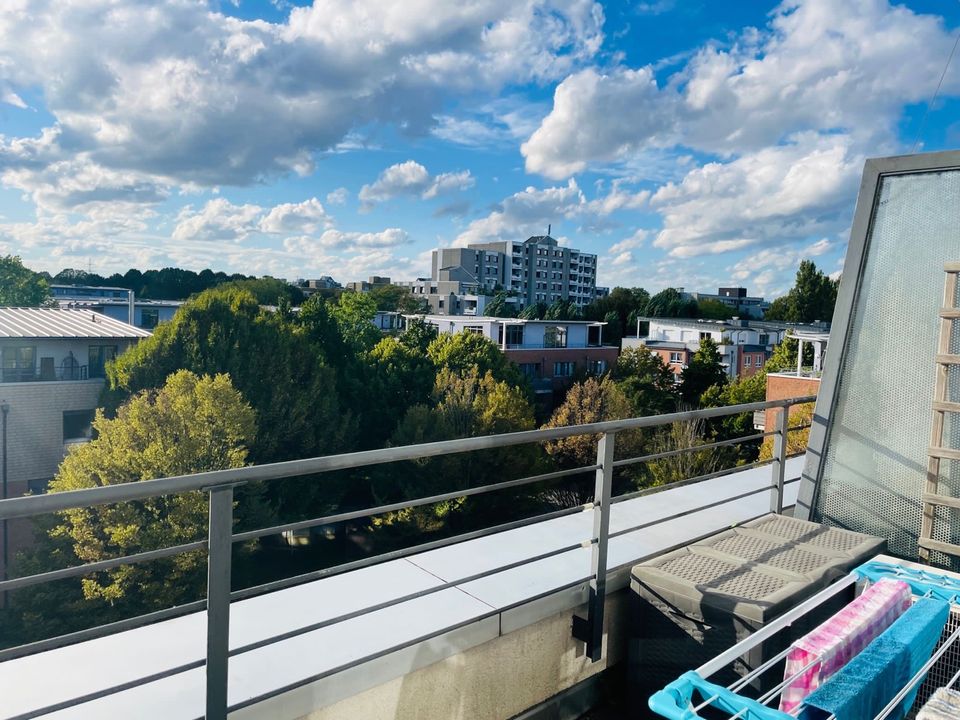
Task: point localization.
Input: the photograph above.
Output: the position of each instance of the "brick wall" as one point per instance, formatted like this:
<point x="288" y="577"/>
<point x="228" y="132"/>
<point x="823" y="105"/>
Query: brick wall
<point x="781" y="387"/>
<point x="35" y="437"/>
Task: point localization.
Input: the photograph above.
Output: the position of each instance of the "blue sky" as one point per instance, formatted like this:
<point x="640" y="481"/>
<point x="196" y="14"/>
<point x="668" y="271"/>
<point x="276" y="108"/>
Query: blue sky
<point x="690" y="144"/>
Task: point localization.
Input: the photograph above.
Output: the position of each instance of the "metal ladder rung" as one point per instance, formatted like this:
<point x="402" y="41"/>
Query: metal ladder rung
<point x="944" y="406"/>
<point x="942" y="452"/>
<point x="948" y="359"/>
<point x="937" y="546"/>
<point x="943" y="500"/>
<point x="950" y="313"/>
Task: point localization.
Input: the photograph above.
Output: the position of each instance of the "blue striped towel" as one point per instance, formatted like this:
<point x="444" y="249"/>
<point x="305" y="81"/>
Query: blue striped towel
<point x="864" y="686"/>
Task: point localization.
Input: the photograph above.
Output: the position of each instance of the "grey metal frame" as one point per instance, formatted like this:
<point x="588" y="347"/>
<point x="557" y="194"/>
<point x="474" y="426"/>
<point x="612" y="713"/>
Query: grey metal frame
<point x="874" y="170"/>
<point x="220" y="485"/>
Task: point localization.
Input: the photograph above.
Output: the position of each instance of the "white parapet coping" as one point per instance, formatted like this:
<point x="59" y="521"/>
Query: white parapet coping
<point x="296" y="676"/>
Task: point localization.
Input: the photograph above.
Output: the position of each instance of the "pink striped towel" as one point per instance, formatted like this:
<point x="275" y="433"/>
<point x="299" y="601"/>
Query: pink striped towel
<point x="831" y="645"/>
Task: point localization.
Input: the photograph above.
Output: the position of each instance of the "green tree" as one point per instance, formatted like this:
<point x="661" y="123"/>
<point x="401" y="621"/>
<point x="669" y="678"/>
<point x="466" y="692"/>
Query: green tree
<point x="418" y="335"/>
<point x="681" y="466"/>
<point x="704" y="371"/>
<point x="670" y="303"/>
<point x="501" y="307"/>
<point x="647" y="382"/>
<point x="593" y="400"/>
<point x="534" y="312"/>
<point x="562" y="310"/>
<point x="626" y="303"/>
<point x="811" y="299"/>
<point x="714" y="310"/>
<point x="268" y="290"/>
<point x="465" y="350"/>
<point x="464" y="403"/>
<point x="20" y="286"/>
<point x="749" y="389"/>
<point x="401" y="377"/>
<point x="192" y="424"/>
<point x="388" y="297"/>
<point x="280" y="372"/>
<point x="354" y="313"/>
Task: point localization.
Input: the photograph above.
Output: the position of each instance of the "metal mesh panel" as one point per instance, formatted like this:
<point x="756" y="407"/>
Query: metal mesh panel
<point x="944" y="669"/>
<point x="875" y="454"/>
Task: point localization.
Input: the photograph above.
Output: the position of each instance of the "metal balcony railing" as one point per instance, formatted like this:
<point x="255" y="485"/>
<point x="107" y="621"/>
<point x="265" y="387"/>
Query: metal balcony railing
<point x="220" y="484"/>
<point x="33" y="374"/>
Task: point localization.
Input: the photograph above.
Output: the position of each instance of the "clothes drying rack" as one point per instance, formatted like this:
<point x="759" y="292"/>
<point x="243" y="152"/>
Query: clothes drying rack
<point x="692" y="695"/>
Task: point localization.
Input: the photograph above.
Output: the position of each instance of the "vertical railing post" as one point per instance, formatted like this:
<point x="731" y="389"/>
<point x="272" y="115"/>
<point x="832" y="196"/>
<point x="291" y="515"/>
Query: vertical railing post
<point x="779" y="460"/>
<point x="590" y="629"/>
<point x="219" y="551"/>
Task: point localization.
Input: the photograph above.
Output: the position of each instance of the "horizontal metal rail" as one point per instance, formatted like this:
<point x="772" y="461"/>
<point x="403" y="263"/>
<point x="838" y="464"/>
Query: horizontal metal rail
<point x="404" y="504"/>
<point x="218" y="482"/>
<point x="692" y="448"/>
<point x="90" y="568"/>
<point x="688" y="481"/>
<point x="401" y="553"/>
<point x="107" y="494"/>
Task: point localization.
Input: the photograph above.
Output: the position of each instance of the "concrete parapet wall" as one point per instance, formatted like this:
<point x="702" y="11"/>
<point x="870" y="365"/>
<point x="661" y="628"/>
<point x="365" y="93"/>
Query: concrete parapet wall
<point x="495" y="680"/>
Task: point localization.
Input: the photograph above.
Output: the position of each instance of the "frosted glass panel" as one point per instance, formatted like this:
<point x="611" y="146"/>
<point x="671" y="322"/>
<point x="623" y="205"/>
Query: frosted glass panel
<point x="875" y="455"/>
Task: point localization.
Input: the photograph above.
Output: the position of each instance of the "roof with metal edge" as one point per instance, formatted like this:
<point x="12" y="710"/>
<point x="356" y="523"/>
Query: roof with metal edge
<point x="28" y="322"/>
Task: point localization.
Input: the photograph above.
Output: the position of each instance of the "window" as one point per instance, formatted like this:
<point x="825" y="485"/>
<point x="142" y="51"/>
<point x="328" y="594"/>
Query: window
<point x="77" y="425"/>
<point x="19" y="363"/>
<point x="149" y="318"/>
<point x="676" y="357"/>
<point x="764" y="340"/>
<point x="530" y="370"/>
<point x="99" y="356"/>
<point x="746" y="360"/>
<point x="598" y="367"/>
<point x="563" y="369"/>
<point x="759" y="361"/>
<point x="704" y="336"/>
<point x="554" y="336"/>
<point x="514" y="335"/>
<point x="38" y="486"/>
<point x="475" y="329"/>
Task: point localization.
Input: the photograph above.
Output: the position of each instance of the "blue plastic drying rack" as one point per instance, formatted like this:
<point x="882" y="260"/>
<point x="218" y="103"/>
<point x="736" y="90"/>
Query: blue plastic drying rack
<point x="686" y="696"/>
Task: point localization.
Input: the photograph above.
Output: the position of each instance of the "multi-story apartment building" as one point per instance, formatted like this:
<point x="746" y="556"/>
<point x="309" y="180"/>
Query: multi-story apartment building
<point x="549" y="352"/>
<point x="53" y="369"/>
<point x="538" y="270"/>
<point x="744" y="345"/>
<point x="369" y="284"/>
<point x="733" y="297"/>
<point x="119" y="303"/>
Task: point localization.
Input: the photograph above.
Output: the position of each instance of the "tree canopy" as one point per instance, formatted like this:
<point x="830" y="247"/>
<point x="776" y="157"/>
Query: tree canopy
<point x="465" y="350"/>
<point x="703" y="371"/>
<point x="165" y="284"/>
<point x="811" y="299"/>
<point x="647" y="382"/>
<point x="280" y="373"/>
<point x="191" y="424"/>
<point x="20" y="286"/>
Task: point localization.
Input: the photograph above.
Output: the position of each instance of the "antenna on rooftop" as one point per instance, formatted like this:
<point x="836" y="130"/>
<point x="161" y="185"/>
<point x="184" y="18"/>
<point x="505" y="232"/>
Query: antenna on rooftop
<point x="548" y="230"/>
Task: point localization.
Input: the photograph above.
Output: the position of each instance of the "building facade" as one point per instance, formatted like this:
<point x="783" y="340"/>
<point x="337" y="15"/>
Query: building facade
<point x="537" y="270"/>
<point x="735" y="298"/>
<point x="744" y="345"/>
<point x="548" y="352"/>
<point x="118" y="303"/>
<point x="53" y="369"/>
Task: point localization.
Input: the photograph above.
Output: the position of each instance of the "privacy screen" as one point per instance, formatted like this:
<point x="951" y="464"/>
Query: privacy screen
<point x="878" y="418"/>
